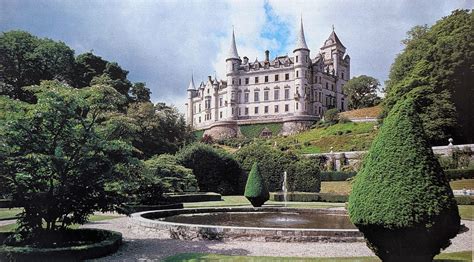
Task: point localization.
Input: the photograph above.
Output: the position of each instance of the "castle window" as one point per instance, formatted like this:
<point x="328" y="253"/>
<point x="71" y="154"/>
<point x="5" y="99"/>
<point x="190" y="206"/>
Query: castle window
<point x="199" y="108"/>
<point x="297" y="73"/>
<point x="327" y="85"/>
<point x="342" y="75"/>
<point x="266" y="79"/>
<point x="220" y="101"/>
<point x="287" y="107"/>
<point x="220" y="114"/>
<point x="265" y="95"/>
<point x="199" y="119"/>
<point x="276" y="94"/>
<point x="240" y="111"/>
<point x="296" y="106"/>
<point x="306" y="59"/>
<point x="233" y="111"/>
<point x="276" y="78"/>
<point x="246" y="111"/>
<point x="332" y="87"/>
<point x="276" y="108"/>
<point x="247" y="81"/>
<point x="246" y="97"/>
<point x="296" y="59"/>
<point x="240" y="81"/>
<point x="256" y="97"/>
<point x="266" y="110"/>
<point x="342" y="104"/>
<point x="287" y="94"/>
<point x="287" y="76"/>
<point x="256" y="110"/>
<point x="256" y="80"/>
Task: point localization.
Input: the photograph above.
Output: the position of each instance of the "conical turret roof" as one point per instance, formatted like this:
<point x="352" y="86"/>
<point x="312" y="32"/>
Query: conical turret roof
<point x="232" y="54"/>
<point x="191" y="84"/>
<point x="300" y="40"/>
<point x="333" y="39"/>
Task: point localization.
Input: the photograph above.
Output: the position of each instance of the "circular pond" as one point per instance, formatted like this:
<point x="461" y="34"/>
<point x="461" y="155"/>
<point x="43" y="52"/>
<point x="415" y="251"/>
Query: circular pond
<point x="246" y="223"/>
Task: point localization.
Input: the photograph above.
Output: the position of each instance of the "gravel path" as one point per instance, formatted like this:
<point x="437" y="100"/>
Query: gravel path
<point x="146" y="247"/>
<point x="7" y="222"/>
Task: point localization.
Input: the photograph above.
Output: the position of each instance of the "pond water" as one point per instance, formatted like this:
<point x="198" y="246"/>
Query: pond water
<point x="307" y="220"/>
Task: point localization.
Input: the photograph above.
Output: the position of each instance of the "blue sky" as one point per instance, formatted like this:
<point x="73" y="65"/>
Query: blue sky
<point x="163" y="42"/>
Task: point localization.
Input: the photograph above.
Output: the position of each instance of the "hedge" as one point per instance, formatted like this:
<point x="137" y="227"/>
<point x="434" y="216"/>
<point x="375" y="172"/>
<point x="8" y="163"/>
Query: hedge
<point x="193" y="197"/>
<point x="310" y="197"/>
<point x="6" y="203"/>
<point x="455" y="174"/>
<point x="132" y="208"/>
<point x="336" y="175"/>
<point x="464" y="200"/>
<point x="109" y="242"/>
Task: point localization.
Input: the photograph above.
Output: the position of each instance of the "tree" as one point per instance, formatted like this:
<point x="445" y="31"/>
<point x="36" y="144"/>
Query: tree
<point x="331" y="115"/>
<point x="437" y="62"/>
<point x="361" y="92"/>
<point x="256" y="189"/>
<point x="56" y="161"/>
<point x="88" y="66"/>
<point x="401" y="199"/>
<point x="304" y="176"/>
<point x="140" y="93"/>
<point x="214" y="169"/>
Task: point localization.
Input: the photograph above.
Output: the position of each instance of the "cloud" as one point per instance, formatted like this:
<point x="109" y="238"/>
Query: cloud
<point x="163" y="42"/>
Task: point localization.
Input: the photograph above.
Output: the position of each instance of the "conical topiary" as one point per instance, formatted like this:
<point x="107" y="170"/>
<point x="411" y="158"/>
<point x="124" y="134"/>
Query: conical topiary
<point x="401" y="199"/>
<point x="256" y="190"/>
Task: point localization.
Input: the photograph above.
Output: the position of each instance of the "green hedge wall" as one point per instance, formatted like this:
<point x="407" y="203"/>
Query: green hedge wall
<point x="336" y="175"/>
<point x="310" y="197"/>
<point x="455" y="174"/>
<point x="194" y="197"/>
<point x="464" y="200"/>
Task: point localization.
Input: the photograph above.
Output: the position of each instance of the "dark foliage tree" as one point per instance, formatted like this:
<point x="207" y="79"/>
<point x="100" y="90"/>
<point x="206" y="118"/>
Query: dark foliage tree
<point x="437" y="63"/>
<point x="401" y="199"/>
<point x="361" y="92"/>
<point x="140" y="93"/>
<point x="56" y="160"/>
<point x="214" y="169"/>
<point x="88" y="66"/>
<point x="256" y="190"/>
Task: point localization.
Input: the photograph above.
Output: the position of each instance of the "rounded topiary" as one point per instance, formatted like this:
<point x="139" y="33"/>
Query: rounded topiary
<point x="401" y="199"/>
<point x="256" y="190"/>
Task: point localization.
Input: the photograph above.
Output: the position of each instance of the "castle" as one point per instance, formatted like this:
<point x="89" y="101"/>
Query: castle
<point x="295" y="91"/>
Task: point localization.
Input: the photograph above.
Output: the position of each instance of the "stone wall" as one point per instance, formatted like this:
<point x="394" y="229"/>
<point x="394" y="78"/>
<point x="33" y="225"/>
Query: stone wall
<point x="223" y="130"/>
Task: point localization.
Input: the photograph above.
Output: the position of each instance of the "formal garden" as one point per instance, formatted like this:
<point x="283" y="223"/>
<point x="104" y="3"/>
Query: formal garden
<point x="90" y="168"/>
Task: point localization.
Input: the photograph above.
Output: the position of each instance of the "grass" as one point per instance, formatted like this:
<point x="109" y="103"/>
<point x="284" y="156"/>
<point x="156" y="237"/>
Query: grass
<point x="93" y="218"/>
<point x="462" y="184"/>
<point x="363" y="112"/>
<point x="9" y="213"/>
<point x="338" y="187"/>
<point x="456" y="256"/>
<point x="254" y="130"/>
<point x="466" y="212"/>
<point x="339" y="137"/>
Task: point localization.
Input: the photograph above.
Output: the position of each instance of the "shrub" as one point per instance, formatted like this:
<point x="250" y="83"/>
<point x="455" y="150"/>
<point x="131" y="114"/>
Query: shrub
<point x="309" y="197"/>
<point x="272" y="162"/>
<point x="454" y="174"/>
<point x="207" y="139"/>
<point x="401" y="199"/>
<point x="464" y="200"/>
<point x="256" y="190"/>
<point x="331" y="115"/>
<point x="214" y="169"/>
<point x="304" y="176"/>
<point x="336" y="175"/>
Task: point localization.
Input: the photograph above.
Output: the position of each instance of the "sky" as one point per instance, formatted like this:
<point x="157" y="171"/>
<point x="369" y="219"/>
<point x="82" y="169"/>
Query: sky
<point x="163" y="42"/>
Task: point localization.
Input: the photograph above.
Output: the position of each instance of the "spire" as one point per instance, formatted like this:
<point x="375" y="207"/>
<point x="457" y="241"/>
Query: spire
<point x="191" y="83"/>
<point x="300" y="40"/>
<point x="233" y="48"/>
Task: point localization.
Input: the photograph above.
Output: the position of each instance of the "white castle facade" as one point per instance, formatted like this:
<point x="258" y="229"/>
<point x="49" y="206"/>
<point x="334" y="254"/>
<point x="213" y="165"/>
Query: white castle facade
<point x="293" y="90"/>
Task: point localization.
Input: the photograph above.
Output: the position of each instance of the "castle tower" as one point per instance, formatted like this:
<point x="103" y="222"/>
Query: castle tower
<point x="334" y="50"/>
<point x="189" y="111"/>
<point x="302" y="62"/>
<point x="233" y="62"/>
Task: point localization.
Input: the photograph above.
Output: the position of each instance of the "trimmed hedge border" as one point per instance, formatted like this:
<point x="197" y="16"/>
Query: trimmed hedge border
<point x="464" y="200"/>
<point x="336" y="175"/>
<point x="130" y="208"/>
<point x="455" y="174"/>
<point x="109" y="244"/>
<point x="310" y="197"/>
<point x="193" y="197"/>
<point x="6" y="203"/>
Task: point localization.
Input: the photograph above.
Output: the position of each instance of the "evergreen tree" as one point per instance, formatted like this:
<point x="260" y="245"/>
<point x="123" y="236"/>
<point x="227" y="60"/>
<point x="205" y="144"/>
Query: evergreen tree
<point x="401" y="199"/>
<point x="256" y="190"/>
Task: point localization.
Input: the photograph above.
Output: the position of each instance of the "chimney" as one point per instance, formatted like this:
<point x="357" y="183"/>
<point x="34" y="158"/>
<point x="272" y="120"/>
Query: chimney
<point x="246" y="60"/>
<point x="209" y="78"/>
<point x="267" y="54"/>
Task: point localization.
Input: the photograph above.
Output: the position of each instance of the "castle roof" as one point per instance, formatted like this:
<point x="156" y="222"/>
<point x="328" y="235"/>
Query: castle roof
<point x="191" y="83"/>
<point x="232" y="54"/>
<point x="333" y="39"/>
<point x="300" y="40"/>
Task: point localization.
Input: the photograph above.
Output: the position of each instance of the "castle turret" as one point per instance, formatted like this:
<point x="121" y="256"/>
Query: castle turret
<point x="301" y="62"/>
<point x="334" y="49"/>
<point x="233" y="62"/>
<point x="191" y="90"/>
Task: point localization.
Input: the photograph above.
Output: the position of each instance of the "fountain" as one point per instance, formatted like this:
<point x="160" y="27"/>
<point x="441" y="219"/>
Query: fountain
<point x="284" y="187"/>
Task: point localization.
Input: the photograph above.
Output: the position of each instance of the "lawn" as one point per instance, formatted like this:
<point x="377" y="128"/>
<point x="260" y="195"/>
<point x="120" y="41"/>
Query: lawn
<point x="7" y="213"/>
<point x="462" y="184"/>
<point x="466" y="212"/>
<point x="456" y="256"/>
